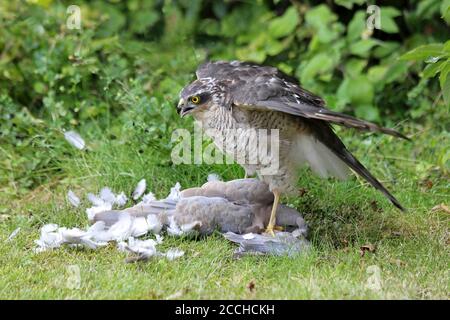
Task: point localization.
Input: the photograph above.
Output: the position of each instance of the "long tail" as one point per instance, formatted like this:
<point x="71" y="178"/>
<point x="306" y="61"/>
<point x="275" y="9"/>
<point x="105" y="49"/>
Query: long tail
<point x="326" y="135"/>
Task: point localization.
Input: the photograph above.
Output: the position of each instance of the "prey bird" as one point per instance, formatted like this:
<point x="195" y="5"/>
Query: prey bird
<point x="241" y="96"/>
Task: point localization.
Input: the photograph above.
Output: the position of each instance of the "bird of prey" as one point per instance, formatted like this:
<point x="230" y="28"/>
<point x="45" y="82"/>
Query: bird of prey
<point x="240" y="96"/>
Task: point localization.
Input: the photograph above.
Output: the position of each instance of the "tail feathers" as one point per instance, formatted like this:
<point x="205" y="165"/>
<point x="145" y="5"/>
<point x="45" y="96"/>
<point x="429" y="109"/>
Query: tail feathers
<point x="326" y="135"/>
<point x="353" y="163"/>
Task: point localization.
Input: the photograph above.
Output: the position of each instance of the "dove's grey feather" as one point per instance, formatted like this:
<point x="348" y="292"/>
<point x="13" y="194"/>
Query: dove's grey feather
<point x="239" y="206"/>
<point x="283" y="243"/>
<point x="140" y="210"/>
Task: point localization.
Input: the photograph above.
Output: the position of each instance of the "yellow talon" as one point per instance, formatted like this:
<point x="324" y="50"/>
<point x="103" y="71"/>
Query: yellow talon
<point x="271" y="226"/>
<point x="270" y="230"/>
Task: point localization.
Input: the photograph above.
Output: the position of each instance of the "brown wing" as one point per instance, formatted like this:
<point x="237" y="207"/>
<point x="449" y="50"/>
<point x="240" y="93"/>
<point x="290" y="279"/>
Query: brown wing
<point x="266" y="88"/>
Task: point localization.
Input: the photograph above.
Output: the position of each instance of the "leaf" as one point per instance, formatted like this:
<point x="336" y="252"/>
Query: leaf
<point x="385" y="49"/>
<point x="349" y="3"/>
<point x="424" y="52"/>
<point x="446" y="91"/>
<point x="284" y="25"/>
<point x="356" y="26"/>
<point x="445" y="11"/>
<point x="447" y="46"/>
<point x="444" y="72"/>
<point x="322" y="20"/>
<point x="432" y="69"/>
<point x="387" y="19"/>
<point x="354" y="67"/>
<point x="428" y="8"/>
<point x="358" y="90"/>
<point x="376" y="74"/>
<point x="367" y="112"/>
<point x="320" y="63"/>
<point x="320" y="16"/>
<point x="396" y="71"/>
<point x="143" y="20"/>
<point x="362" y="47"/>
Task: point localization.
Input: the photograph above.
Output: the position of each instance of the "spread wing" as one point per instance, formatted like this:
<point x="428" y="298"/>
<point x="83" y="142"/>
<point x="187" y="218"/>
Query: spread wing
<point x="266" y="88"/>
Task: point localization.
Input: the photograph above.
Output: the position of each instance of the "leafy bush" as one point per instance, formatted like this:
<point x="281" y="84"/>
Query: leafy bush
<point x="118" y="77"/>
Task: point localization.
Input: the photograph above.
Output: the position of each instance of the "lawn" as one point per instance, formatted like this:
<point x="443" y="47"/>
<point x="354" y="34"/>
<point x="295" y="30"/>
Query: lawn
<point x="410" y="258"/>
<point x="115" y="80"/>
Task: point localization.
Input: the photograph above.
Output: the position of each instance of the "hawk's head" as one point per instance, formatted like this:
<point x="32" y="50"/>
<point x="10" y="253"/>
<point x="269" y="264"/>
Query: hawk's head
<point x="199" y="96"/>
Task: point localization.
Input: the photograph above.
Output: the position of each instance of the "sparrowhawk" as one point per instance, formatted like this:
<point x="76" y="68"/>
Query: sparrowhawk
<point x="241" y="96"/>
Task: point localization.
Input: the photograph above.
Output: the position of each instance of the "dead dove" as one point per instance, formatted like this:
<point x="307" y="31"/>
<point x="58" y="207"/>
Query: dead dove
<point x="239" y="206"/>
<point x="239" y="209"/>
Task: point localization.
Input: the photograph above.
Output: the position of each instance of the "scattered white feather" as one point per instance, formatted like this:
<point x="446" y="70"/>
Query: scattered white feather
<point x="78" y="236"/>
<point x="73" y="199"/>
<point x="154" y="224"/>
<point x="173" y="254"/>
<point x="159" y="239"/>
<point x="174" y="192"/>
<point x="214" y="177"/>
<point x="95" y="200"/>
<point x="121" y="199"/>
<point x="50" y="238"/>
<point x="140" y="189"/>
<point x="98" y="232"/>
<point x="190" y="227"/>
<point x="173" y="229"/>
<point x="92" y="211"/>
<point x="122" y="229"/>
<point x="75" y="139"/>
<point x="139" y="227"/>
<point x="248" y="236"/>
<point x="144" y="248"/>
<point x="107" y="195"/>
<point x="148" y="197"/>
<point x="300" y="232"/>
<point x="14" y="234"/>
<point x="51" y="227"/>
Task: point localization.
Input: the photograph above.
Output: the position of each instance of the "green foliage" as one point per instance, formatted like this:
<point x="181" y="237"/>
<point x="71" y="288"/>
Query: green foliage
<point x="437" y="59"/>
<point x="116" y="82"/>
<point x="118" y="77"/>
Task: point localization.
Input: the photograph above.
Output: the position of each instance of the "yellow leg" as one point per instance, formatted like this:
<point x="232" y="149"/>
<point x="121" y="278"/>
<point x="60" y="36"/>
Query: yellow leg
<point x="246" y="175"/>
<point x="273" y="215"/>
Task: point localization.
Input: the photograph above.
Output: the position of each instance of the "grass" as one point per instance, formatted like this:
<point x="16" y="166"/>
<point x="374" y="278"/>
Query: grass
<point x="411" y="256"/>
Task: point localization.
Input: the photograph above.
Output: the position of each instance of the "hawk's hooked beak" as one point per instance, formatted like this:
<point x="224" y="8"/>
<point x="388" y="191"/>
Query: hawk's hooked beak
<point x="183" y="109"/>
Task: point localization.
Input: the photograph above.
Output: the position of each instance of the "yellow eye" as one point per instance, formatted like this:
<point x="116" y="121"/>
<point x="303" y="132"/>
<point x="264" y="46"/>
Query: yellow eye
<point x="195" y="99"/>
